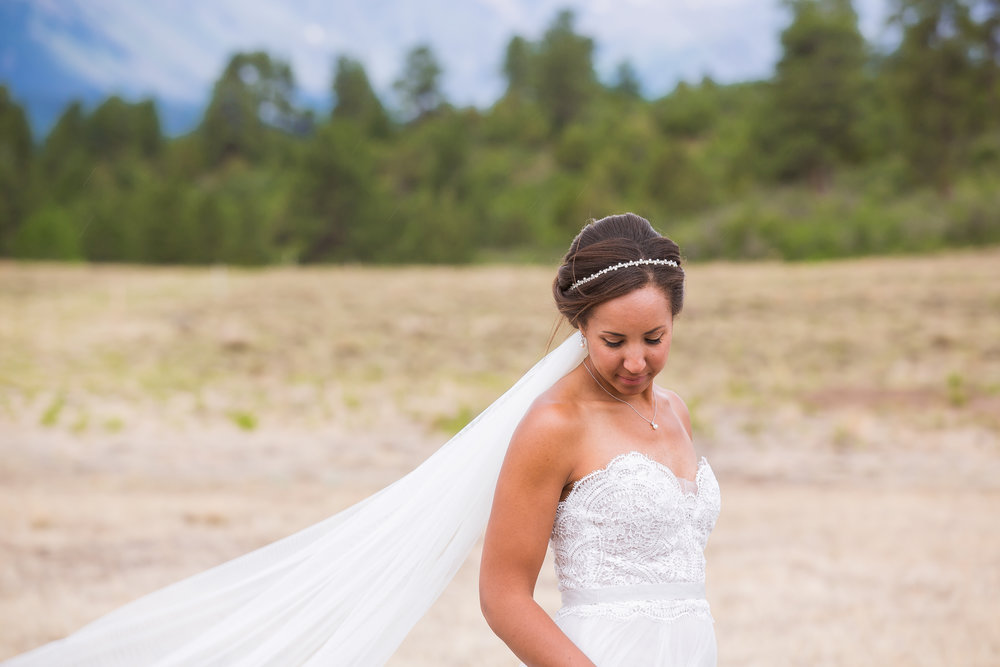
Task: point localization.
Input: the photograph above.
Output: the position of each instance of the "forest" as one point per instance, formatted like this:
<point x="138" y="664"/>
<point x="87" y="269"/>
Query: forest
<point x="847" y="150"/>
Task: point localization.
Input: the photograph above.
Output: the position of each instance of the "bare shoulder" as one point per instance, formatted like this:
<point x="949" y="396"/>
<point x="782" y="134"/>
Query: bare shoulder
<point x="679" y="407"/>
<point x="544" y="440"/>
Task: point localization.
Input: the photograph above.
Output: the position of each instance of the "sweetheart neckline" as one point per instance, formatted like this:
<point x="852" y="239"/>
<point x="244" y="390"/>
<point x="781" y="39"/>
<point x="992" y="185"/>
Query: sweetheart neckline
<point x="702" y="464"/>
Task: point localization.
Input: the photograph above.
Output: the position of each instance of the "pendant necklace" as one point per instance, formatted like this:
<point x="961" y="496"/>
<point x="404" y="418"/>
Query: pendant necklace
<point x="652" y="422"/>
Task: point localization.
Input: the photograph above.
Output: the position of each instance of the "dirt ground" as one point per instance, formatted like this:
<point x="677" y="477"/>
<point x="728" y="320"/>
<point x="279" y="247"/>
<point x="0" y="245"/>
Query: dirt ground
<point x="155" y="422"/>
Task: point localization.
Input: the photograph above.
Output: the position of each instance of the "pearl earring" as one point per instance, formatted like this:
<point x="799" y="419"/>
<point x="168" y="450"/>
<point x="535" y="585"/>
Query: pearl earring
<point x="583" y="340"/>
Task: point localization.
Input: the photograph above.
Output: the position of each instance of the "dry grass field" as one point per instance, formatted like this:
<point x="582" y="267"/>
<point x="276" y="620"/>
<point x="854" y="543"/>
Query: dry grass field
<point x="154" y="422"/>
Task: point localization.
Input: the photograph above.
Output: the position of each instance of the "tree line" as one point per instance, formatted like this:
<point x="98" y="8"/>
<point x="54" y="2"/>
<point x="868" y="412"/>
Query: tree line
<point x="845" y="150"/>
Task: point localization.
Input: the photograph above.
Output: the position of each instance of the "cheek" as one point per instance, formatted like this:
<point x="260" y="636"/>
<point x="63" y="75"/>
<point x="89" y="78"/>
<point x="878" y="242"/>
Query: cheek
<point x="664" y="351"/>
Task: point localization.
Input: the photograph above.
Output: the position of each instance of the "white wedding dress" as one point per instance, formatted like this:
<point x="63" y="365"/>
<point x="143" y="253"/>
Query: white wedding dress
<point x="629" y="543"/>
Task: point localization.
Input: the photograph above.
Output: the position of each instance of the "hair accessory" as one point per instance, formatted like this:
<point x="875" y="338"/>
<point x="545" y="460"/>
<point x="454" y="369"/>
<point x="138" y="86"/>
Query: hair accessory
<point x="652" y="422"/>
<point x="622" y="265"/>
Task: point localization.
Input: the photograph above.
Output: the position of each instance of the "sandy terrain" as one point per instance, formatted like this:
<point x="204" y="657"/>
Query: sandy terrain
<point x="154" y="422"/>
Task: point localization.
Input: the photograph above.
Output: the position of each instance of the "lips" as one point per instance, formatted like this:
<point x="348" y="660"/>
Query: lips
<point x="631" y="381"/>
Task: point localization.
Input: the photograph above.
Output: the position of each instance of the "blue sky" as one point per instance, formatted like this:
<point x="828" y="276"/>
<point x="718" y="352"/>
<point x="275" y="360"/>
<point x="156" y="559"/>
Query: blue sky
<point x="174" y="49"/>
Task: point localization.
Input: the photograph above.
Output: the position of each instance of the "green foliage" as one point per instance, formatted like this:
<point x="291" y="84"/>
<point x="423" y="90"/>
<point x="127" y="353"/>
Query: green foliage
<point x="844" y="151"/>
<point x="518" y="68"/>
<point x="15" y="167"/>
<point x="116" y="129"/>
<point x="335" y="201"/>
<point x="792" y="224"/>
<point x="811" y="123"/>
<point x="51" y="415"/>
<point x="110" y="216"/>
<point x="253" y="94"/>
<point x="564" y="71"/>
<point x="245" y="421"/>
<point x="689" y="111"/>
<point x="431" y="230"/>
<point x="356" y="101"/>
<point x="48" y="233"/>
<point x="420" y="85"/>
<point x="936" y="80"/>
<point x="626" y="81"/>
<point x="512" y="120"/>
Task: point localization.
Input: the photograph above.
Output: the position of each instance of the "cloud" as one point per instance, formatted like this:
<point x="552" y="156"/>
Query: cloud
<point x="176" y="49"/>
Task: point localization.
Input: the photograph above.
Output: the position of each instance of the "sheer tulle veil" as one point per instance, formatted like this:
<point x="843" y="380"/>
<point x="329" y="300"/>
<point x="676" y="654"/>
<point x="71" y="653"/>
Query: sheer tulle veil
<point x="342" y="592"/>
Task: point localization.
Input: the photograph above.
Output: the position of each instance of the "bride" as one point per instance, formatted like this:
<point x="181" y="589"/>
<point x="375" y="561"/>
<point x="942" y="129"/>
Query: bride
<point x="584" y="450"/>
<point x="603" y="465"/>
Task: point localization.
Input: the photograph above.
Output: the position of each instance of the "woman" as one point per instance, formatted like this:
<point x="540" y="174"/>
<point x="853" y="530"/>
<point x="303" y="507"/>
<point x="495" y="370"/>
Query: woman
<point x="347" y="590"/>
<point x="603" y="464"/>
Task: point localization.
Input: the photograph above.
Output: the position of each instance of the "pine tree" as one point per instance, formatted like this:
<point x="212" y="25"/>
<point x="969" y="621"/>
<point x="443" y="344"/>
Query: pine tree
<point x="419" y="85"/>
<point x="811" y="121"/>
<point x="936" y="86"/>
<point x="253" y="94"/>
<point x="565" y="82"/>
<point x="355" y="100"/>
<point x="16" y="156"/>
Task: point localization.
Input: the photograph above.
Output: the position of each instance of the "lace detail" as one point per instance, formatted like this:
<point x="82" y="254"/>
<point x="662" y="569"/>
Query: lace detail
<point x="631" y="522"/>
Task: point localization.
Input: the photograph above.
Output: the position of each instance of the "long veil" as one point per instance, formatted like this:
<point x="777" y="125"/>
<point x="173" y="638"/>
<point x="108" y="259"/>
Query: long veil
<point x="344" y="591"/>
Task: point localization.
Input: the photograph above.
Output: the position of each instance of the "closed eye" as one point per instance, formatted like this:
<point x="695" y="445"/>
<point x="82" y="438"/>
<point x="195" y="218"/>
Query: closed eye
<point x="618" y="343"/>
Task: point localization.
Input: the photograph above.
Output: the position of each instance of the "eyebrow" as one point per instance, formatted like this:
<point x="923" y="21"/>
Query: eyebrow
<point x="651" y="331"/>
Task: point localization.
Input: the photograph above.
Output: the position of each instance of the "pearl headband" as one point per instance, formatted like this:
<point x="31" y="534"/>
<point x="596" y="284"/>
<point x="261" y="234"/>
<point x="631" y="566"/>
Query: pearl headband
<point x="622" y="265"/>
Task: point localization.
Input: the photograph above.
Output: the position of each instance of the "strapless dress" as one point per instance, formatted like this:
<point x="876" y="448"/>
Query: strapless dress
<point x="629" y="543"/>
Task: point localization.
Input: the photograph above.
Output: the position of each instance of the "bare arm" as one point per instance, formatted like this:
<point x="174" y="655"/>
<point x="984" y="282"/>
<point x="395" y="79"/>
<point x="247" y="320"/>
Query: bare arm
<point x="534" y="473"/>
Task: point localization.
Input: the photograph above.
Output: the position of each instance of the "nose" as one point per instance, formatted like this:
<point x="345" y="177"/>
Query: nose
<point x="634" y="362"/>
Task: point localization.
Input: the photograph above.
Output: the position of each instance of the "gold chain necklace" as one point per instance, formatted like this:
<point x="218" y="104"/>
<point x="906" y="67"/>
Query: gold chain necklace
<point x="652" y="422"/>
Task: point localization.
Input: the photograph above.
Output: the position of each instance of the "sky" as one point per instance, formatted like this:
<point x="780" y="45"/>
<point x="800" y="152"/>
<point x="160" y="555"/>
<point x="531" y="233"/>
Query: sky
<point x="173" y="50"/>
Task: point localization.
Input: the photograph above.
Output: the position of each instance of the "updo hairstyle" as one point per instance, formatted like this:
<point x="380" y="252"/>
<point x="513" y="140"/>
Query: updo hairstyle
<point x="604" y="243"/>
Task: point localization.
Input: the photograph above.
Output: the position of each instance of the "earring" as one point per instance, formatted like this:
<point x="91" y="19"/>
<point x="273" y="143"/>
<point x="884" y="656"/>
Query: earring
<point x="583" y="340"/>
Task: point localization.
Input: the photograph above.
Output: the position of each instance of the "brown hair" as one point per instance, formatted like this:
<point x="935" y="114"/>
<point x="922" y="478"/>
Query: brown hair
<point x="609" y="241"/>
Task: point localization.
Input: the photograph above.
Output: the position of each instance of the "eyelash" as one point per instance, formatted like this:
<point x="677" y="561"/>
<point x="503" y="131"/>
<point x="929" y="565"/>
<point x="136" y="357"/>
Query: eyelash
<point x="619" y="343"/>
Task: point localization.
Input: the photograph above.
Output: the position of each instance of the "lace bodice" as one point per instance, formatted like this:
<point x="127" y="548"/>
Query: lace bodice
<point x="632" y="522"/>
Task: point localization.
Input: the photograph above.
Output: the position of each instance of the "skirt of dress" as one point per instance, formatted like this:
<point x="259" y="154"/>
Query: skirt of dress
<point x="642" y="641"/>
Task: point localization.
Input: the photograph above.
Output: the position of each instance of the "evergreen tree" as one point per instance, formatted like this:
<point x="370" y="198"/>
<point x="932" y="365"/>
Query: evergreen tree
<point x="936" y="85"/>
<point x="419" y="85"/>
<point x="811" y="122"/>
<point x="517" y="68"/>
<point x="148" y="136"/>
<point x="117" y="128"/>
<point x="354" y="98"/>
<point x="688" y="111"/>
<point x="565" y="82"/>
<point x="65" y="165"/>
<point x="15" y="168"/>
<point x="987" y="53"/>
<point x="335" y="198"/>
<point x="626" y="82"/>
<point x="254" y="93"/>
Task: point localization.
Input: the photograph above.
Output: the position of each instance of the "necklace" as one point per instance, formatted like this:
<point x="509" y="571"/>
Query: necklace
<point x="652" y="422"/>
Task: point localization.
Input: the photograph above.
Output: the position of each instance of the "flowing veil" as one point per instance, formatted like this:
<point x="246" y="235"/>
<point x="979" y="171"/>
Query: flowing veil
<point x="344" y="591"/>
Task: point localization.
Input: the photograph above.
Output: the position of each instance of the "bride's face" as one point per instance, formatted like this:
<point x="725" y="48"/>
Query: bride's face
<point x="628" y="339"/>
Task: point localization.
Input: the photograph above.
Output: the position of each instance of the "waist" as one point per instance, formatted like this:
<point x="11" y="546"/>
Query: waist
<point x="681" y="590"/>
